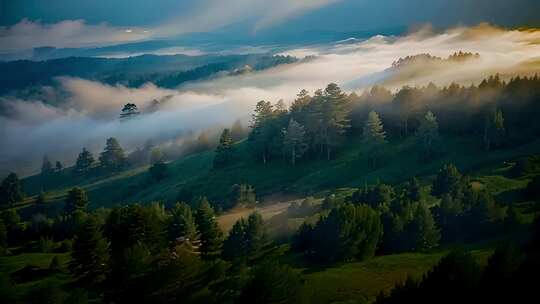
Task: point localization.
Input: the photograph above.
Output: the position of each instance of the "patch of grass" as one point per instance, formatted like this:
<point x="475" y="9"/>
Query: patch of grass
<point x="9" y="264"/>
<point x="349" y="169"/>
<point x="361" y="282"/>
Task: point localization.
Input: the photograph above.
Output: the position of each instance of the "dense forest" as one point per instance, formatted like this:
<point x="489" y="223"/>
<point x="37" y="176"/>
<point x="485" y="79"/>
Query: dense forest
<point x="176" y="250"/>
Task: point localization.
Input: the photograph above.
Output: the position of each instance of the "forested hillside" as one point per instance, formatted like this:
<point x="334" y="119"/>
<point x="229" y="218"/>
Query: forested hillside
<point x="381" y="184"/>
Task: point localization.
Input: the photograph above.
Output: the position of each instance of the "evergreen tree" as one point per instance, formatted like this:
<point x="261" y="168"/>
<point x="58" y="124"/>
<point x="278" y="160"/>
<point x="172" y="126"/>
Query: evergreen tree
<point x="428" y="132"/>
<point x="348" y="232"/>
<point x="46" y="166"/>
<point x="129" y="111"/>
<point x="422" y="231"/>
<point x="263" y="131"/>
<point x="493" y="127"/>
<point x="334" y="117"/>
<point x="374" y="136"/>
<point x="181" y="224"/>
<point x="11" y="190"/>
<point x="58" y="166"/>
<point x="84" y="162"/>
<point x="224" y="151"/>
<point x="76" y="200"/>
<point x="255" y="234"/>
<point x="294" y="141"/>
<point x="242" y="195"/>
<point x="414" y="190"/>
<point x="112" y="158"/>
<point x="90" y="256"/>
<point x="448" y="180"/>
<point x="211" y="235"/>
<point x="235" y="245"/>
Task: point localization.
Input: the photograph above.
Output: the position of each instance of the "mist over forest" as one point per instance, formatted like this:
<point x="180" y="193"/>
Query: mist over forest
<point x="253" y="151"/>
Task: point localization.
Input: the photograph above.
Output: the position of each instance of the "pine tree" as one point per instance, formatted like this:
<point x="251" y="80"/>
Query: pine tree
<point x="84" y="162"/>
<point x="493" y="127"/>
<point x="129" y="111"/>
<point x="76" y="200"/>
<point x="428" y="132"/>
<point x="263" y="133"/>
<point x="448" y="180"/>
<point x="374" y="136"/>
<point x="334" y="117"/>
<point x="242" y="195"/>
<point x="255" y="234"/>
<point x="181" y="224"/>
<point x="46" y="166"/>
<point x="414" y="190"/>
<point x="235" y="245"/>
<point x="210" y="234"/>
<point x="422" y="231"/>
<point x="294" y="141"/>
<point x="113" y="157"/>
<point x="58" y="166"/>
<point x="11" y="190"/>
<point x="90" y="256"/>
<point x="224" y="151"/>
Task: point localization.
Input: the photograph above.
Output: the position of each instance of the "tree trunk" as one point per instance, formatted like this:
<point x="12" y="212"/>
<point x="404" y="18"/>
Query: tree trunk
<point x="293" y="156"/>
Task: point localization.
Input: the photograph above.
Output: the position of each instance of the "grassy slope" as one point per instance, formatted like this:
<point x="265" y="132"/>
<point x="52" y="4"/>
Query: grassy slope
<point x="362" y="281"/>
<point x="348" y="169"/>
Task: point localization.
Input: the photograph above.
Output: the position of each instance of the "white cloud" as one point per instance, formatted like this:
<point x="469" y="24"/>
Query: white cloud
<point x="69" y="33"/>
<point x="86" y="112"/>
<point x="209" y="15"/>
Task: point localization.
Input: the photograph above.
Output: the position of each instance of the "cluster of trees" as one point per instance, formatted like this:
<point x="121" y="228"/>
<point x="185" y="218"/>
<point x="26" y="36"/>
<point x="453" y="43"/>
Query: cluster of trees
<point x="11" y="190"/>
<point x="148" y="253"/>
<point x="386" y="219"/>
<point x="318" y="125"/>
<point x="509" y="276"/>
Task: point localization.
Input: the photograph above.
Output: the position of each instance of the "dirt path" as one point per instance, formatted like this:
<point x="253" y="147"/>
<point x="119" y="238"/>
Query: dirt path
<point x="227" y="220"/>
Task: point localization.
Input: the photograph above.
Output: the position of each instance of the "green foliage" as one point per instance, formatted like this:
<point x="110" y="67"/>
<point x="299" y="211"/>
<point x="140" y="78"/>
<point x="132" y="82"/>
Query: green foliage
<point x="374" y="137"/>
<point x="294" y="141"/>
<point x="272" y="283"/>
<point x="211" y="235"/>
<point x="347" y="232"/>
<point x="448" y="180"/>
<point x="242" y="195"/>
<point x="11" y="190"/>
<point x="422" y="231"/>
<point x="46" y="166"/>
<point x="428" y="132"/>
<point x="224" y="151"/>
<point x="181" y="224"/>
<point x="85" y="161"/>
<point x="378" y="196"/>
<point x="76" y="200"/>
<point x="129" y="111"/>
<point x="264" y="130"/>
<point x="112" y="158"/>
<point x="90" y="255"/>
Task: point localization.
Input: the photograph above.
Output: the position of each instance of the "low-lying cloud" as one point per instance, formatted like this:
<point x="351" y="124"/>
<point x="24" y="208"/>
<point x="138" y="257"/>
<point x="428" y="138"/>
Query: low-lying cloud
<point x="85" y="113"/>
